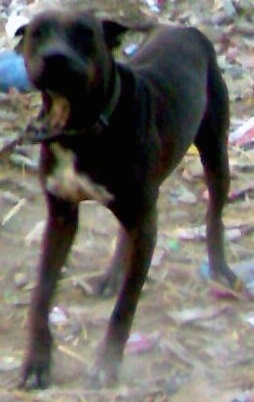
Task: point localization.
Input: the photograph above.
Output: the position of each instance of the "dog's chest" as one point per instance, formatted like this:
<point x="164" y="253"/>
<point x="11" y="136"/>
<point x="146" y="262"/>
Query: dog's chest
<point x="65" y="182"/>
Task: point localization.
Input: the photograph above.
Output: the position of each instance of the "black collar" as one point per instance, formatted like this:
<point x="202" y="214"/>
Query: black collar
<point x="111" y="104"/>
<point x="37" y="133"/>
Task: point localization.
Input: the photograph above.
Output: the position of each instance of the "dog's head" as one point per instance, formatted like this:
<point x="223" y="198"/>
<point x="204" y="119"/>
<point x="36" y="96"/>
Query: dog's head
<point x="69" y="54"/>
<point x="68" y="51"/>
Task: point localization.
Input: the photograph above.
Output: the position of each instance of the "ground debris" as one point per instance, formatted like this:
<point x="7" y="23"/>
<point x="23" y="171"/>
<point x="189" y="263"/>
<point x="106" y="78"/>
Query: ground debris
<point x="190" y="340"/>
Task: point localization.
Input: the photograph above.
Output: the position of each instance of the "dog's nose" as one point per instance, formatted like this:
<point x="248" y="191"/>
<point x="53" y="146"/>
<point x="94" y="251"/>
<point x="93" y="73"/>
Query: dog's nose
<point x="55" y="59"/>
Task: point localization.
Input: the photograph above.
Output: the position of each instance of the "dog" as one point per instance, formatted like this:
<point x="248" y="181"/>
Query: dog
<point x="112" y="132"/>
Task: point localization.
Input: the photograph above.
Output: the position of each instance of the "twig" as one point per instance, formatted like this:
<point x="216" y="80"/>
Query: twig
<point x="13" y="211"/>
<point x="7" y="148"/>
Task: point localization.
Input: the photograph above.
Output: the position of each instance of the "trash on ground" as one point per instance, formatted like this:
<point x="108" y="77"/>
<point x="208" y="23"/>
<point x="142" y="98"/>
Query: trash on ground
<point x="244" y="134"/>
<point x="35" y="235"/>
<point x="14" y="211"/>
<point x="198" y="233"/>
<point x="140" y="343"/>
<point x="243" y="269"/>
<point x="13" y="72"/>
<point x="191" y="315"/>
<point x="58" y="316"/>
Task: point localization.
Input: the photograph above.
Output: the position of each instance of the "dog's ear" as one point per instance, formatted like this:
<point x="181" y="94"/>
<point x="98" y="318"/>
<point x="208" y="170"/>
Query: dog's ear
<point x="21" y="30"/>
<point x="20" y="34"/>
<point x="113" y="32"/>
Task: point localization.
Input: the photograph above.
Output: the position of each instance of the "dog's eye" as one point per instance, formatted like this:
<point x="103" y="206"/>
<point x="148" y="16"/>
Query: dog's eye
<point x="81" y="36"/>
<point x="39" y="32"/>
<point x="42" y="30"/>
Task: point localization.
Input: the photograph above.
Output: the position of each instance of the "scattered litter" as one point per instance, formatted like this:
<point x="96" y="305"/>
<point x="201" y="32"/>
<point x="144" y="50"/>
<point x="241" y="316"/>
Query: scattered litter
<point x="180" y="350"/>
<point x="9" y="197"/>
<point x="173" y="245"/>
<point x="85" y="286"/>
<point x="244" y="270"/>
<point x="190" y="315"/>
<point x="154" y="5"/>
<point x="13" y="72"/>
<point x="139" y="343"/>
<point x="24" y="162"/>
<point x="244" y="134"/>
<point x="130" y="49"/>
<point x="244" y="397"/>
<point x="58" y="316"/>
<point x="229" y="8"/>
<point x="15" y="21"/>
<point x="14" y="211"/>
<point x="176" y="381"/>
<point x="73" y="355"/>
<point x="158" y="257"/>
<point x="8" y="363"/>
<point x="187" y="197"/>
<point x="239" y="194"/>
<point x="193" y="169"/>
<point x="198" y="233"/>
<point x="193" y="150"/>
<point x="219" y="291"/>
<point x="20" y="280"/>
<point x="182" y="194"/>
<point x="35" y="235"/>
<point x="204" y="270"/>
<point x="249" y="319"/>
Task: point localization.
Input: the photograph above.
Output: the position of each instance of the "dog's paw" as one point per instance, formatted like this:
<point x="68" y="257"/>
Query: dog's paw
<point x="99" y="286"/>
<point x="227" y="278"/>
<point x="103" y="374"/>
<point x="35" y="374"/>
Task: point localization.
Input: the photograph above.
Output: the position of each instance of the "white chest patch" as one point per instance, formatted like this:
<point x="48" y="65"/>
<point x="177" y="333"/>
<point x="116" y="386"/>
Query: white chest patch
<point x="65" y="182"/>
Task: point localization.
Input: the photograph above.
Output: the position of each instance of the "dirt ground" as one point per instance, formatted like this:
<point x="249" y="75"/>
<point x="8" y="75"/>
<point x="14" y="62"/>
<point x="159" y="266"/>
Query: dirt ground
<point x="189" y="340"/>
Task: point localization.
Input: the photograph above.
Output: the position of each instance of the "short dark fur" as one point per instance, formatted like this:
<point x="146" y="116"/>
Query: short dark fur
<point x="171" y="95"/>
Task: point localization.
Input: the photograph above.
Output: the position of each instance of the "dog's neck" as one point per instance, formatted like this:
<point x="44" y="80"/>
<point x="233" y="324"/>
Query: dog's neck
<point x="38" y="132"/>
<point x="112" y="101"/>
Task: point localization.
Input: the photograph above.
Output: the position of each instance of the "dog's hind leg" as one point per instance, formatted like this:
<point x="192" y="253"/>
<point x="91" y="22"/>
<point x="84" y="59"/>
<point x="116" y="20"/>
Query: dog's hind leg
<point x="110" y="282"/>
<point x="211" y="142"/>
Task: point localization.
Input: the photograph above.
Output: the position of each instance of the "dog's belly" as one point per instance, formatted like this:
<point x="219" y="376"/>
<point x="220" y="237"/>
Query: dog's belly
<point x="68" y="184"/>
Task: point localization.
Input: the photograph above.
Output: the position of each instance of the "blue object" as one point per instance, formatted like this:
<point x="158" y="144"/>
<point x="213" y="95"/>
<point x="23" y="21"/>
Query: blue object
<point x="13" y="72"/>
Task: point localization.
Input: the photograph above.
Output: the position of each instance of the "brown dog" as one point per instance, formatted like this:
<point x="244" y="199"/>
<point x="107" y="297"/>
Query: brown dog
<point x="113" y="132"/>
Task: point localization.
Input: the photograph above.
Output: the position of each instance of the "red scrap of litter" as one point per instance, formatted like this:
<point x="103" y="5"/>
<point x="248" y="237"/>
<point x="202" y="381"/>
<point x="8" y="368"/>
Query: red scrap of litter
<point x="243" y="134"/>
<point x="139" y="343"/>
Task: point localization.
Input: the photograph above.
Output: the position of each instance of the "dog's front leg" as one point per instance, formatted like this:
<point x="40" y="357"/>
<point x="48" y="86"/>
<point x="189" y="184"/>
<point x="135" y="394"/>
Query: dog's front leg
<point x="59" y="234"/>
<point x="141" y="243"/>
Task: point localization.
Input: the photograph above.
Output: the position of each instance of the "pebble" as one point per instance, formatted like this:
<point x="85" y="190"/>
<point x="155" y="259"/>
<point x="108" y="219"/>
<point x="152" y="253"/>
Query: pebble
<point x="20" y="280"/>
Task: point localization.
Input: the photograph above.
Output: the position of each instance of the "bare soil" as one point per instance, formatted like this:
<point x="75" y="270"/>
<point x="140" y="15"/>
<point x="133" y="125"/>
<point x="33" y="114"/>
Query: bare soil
<point x="193" y="343"/>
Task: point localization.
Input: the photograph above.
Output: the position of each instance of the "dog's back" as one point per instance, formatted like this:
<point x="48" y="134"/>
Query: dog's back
<point x="179" y="66"/>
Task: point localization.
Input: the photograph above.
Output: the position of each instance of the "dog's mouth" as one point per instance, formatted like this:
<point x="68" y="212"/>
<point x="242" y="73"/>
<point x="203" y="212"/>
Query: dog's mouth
<point x="54" y="119"/>
<point x="58" y="111"/>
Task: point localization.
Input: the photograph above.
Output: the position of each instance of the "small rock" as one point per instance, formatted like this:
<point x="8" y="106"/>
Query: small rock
<point x="58" y="316"/>
<point x="140" y="343"/>
<point x="130" y="49"/>
<point x="35" y="235"/>
<point x="20" y="280"/>
<point x="24" y="162"/>
<point x="8" y="363"/>
<point x="187" y="197"/>
<point x="158" y="257"/>
<point x="9" y="197"/>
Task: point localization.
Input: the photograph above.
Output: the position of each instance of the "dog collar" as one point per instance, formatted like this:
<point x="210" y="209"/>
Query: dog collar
<point x="111" y="105"/>
<point x="37" y="133"/>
